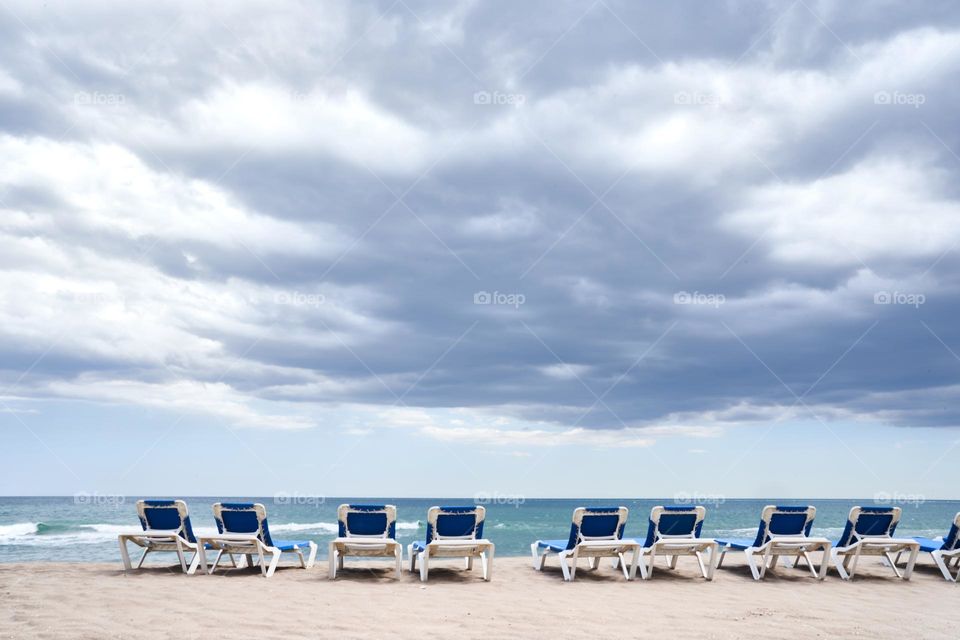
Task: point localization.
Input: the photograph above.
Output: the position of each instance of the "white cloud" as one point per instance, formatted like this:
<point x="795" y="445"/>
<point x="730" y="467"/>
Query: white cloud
<point x="881" y="208"/>
<point x="105" y="189"/>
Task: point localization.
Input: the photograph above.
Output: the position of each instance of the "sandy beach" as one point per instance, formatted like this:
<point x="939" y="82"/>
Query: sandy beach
<point x="48" y="600"/>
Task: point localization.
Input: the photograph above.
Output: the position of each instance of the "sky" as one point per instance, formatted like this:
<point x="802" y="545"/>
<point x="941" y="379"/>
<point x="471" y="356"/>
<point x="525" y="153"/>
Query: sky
<point x="538" y="249"/>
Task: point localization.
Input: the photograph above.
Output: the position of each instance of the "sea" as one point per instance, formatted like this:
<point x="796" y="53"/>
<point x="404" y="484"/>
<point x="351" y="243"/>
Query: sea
<point x="84" y="528"/>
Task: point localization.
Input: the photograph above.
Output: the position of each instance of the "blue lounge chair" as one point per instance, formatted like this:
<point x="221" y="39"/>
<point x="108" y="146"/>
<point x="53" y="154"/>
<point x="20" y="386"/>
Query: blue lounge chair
<point x="596" y="532"/>
<point x="783" y="531"/>
<point x="365" y="530"/>
<point x="673" y="532"/>
<point x="945" y="552"/>
<point x="453" y="532"/>
<point x="869" y="532"/>
<point x="244" y="530"/>
<point x="165" y="526"/>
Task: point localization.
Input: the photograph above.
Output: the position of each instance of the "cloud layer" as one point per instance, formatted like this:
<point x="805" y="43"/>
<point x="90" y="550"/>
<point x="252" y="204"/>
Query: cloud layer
<point x="485" y="222"/>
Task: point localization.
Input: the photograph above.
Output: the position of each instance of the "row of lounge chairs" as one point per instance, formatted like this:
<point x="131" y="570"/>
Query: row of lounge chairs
<point x="595" y="533"/>
<point x="363" y="530"/>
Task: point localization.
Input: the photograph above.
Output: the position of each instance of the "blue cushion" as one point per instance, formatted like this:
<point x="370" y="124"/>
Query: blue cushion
<point x="288" y="545"/>
<point x="163" y="514"/>
<point x="452" y="522"/>
<point x="553" y="545"/>
<point x="241" y="517"/>
<point x="929" y="544"/>
<point x="367" y="520"/>
<point x="735" y="543"/>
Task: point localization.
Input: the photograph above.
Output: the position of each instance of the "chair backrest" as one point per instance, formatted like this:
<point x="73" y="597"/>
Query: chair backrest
<point x="597" y="523"/>
<point x="455" y="523"/>
<point x="778" y="520"/>
<point x="166" y="515"/>
<point x="243" y="517"/>
<point x="951" y="541"/>
<point x="674" y="522"/>
<point x="869" y="522"/>
<point x="367" y="521"/>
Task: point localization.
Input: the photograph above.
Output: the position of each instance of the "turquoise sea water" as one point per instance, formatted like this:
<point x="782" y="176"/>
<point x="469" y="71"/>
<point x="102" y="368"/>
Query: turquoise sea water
<point x="85" y="528"/>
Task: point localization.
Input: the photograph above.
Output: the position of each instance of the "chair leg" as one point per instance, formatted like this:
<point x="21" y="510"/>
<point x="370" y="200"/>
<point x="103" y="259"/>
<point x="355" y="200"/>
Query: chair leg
<point x="539" y="559"/>
<point x="893" y="565"/>
<point x="424" y="568"/>
<point x="564" y="556"/>
<point x="216" y="561"/>
<point x="911" y="561"/>
<point x="594" y="563"/>
<point x="261" y="560"/>
<point x="274" y="561"/>
<point x="624" y="566"/>
<point x="312" y="557"/>
<point x="142" y="556"/>
<point x="332" y="559"/>
<point x="413" y="558"/>
<point x="398" y="551"/>
<point x="486" y="562"/>
<point x="194" y="562"/>
<point x="469" y="563"/>
<point x="752" y="561"/>
<point x="124" y="554"/>
<point x="714" y="557"/>
<point x="840" y="562"/>
<point x="938" y="559"/>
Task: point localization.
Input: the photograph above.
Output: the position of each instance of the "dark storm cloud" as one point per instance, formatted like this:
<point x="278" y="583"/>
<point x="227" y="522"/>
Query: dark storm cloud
<point x="561" y="199"/>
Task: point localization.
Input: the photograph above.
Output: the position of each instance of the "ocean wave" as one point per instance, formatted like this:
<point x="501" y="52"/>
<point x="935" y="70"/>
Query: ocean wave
<point x="42" y="534"/>
<point x="33" y="534"/>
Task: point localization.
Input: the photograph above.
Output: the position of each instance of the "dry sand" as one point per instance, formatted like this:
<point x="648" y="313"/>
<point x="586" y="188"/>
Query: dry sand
<point x="98" y="601"/>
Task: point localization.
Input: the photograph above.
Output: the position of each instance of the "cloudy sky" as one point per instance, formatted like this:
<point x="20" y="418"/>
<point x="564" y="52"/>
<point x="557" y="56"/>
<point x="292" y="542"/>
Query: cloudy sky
<point x="418" y="248"/>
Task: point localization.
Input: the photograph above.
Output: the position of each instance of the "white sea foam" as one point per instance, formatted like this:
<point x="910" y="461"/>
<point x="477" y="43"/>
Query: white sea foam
<point x="37" y="534"/>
